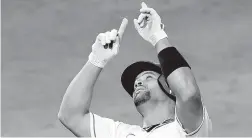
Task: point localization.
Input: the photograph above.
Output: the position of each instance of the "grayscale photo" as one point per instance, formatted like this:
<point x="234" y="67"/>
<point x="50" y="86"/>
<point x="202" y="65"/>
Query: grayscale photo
<point x="126" y="68"/>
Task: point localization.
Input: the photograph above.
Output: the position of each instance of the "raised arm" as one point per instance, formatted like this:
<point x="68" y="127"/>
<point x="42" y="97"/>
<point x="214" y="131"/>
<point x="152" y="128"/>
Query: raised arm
<point x="189" y="106"/>
<point x="177" y="71"/>
<point x="74" y="109"/>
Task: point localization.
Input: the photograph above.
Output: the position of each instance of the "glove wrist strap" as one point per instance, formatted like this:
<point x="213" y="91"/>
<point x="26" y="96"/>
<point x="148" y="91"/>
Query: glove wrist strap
<point x="157" y="36"/>
<point x="92" y="58"/>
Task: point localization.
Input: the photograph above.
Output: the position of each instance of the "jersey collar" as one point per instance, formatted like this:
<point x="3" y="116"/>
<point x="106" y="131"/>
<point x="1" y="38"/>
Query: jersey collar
<point x="167" y="121"/>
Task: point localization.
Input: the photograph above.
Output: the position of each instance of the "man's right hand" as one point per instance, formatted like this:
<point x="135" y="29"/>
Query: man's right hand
<point x="107" y="45"/>
<point x="149" y="25"/>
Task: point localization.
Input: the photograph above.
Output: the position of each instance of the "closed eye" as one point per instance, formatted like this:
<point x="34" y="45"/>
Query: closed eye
<point x="149" y="77"/>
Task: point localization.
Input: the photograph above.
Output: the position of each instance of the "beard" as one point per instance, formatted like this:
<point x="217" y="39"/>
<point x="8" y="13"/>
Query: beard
<point x="142" y="98"/>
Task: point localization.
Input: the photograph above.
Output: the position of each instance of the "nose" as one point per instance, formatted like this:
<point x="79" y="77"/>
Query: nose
<point x="138" y="83"/>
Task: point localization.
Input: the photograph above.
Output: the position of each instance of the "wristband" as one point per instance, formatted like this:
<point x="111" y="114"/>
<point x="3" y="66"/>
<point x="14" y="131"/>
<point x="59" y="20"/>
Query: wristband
<point x="157" y="36"/>
<point x="170" y="59"/>
<point x="92" y="58"/>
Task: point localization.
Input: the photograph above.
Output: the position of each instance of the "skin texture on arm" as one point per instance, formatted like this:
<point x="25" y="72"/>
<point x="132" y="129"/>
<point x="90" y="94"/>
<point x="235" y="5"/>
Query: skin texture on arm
<point x="189" y="106"/>
<point x="76" y="102"/>
<point x="74" y="110"/>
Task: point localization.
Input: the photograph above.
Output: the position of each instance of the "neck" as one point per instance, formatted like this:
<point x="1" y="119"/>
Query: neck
<point x="157" y="113"/>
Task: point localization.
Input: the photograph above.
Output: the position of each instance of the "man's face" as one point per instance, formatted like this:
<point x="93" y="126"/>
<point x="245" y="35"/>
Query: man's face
<point x="146" y="87"/>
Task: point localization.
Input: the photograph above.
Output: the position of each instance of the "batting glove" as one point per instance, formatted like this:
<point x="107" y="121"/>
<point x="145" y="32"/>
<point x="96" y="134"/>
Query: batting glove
<point x="149" y="25"/>
<point x="106" y="46"/>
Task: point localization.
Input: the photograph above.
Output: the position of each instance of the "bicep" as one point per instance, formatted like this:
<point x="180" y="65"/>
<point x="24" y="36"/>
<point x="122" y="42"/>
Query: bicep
<point x="190" y="113"/>
<point x="91" y="125"/>
<point x="79" y="125"/>
<point x="189" y="107"/>
<point x="203" y="130"/>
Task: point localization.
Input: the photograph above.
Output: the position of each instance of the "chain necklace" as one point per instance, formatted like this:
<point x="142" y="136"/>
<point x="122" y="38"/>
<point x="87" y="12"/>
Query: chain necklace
<point x="149" y="128"/>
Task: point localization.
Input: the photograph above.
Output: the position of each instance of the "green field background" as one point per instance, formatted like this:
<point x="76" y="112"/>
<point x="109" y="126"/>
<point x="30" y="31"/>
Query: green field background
<point x="46" y="42"/>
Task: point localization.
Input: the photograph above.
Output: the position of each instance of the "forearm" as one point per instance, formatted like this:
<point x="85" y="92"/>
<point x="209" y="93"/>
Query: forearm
<point x="181" y="80"/>
<point x="175" y="69"/>
<point x="77" y="98"/>
<point x="189" y="108"/>
<point x="183" y="84"/>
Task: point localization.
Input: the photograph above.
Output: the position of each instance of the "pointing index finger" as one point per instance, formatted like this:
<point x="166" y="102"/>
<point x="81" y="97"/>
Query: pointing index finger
<point x="122" y="28"/>
<point x="144" y="5"/>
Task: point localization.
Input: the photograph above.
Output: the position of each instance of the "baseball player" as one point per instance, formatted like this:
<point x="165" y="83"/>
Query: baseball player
<point x="165" y="94"/>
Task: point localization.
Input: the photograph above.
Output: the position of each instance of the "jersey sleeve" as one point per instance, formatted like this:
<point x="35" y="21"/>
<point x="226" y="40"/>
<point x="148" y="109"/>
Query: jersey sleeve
<point x="101" y="127"/>
<point x="204" y="129"/>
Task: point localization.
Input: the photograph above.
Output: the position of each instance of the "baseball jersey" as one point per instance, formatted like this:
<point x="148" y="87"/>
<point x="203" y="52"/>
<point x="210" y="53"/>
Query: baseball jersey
<point x="101" y="127"/>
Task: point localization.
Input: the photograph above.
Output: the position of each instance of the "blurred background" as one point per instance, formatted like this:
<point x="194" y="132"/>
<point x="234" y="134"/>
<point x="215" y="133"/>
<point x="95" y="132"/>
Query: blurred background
<point x="46" y="42"/>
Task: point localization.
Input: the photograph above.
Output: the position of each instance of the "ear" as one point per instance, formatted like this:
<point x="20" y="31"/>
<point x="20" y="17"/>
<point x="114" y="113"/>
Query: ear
<point x="165" y="87"/>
